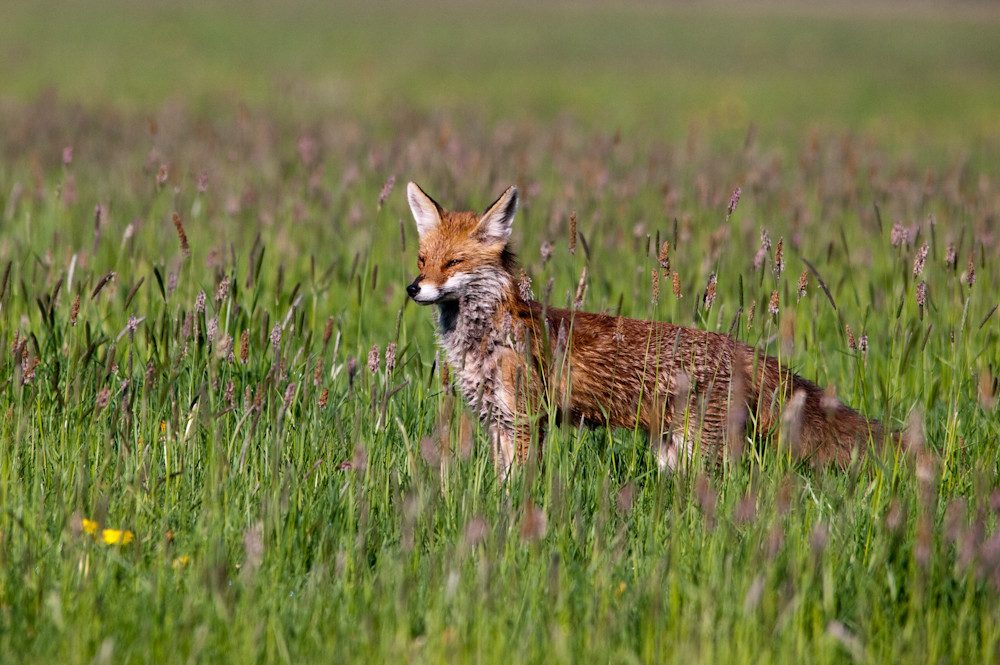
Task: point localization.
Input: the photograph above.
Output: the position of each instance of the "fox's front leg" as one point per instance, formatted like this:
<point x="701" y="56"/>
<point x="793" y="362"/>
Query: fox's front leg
<point x="511" y="443"/>
<point x="503" y="444"/>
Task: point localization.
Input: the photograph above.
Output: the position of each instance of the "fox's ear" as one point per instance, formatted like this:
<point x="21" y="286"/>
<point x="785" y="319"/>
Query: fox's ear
<point x="426" y="211"/>
<point x="496" y="222"/>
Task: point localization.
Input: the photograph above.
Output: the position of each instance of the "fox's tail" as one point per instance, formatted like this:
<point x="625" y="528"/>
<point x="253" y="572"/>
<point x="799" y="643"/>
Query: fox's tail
<point x="817" y="425"/>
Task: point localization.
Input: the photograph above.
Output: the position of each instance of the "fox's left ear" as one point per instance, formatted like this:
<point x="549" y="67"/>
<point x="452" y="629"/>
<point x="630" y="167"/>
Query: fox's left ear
<point x="496" y="222"/>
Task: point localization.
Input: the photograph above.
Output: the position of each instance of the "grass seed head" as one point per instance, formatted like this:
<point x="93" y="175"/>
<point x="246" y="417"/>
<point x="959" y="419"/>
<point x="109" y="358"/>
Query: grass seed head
<point x="969" y="276"/>
<point x="390" y="357"/>
<point x="772" y="306"/>
<point x="244" y="346"/>
<point x="572" y="232"/>
<point x="919" y="260"/>
<point x="373" y="359"/>
<point x="803" y="283"/>
<point x="710" y="291"/>
<point x="185" y="248"/>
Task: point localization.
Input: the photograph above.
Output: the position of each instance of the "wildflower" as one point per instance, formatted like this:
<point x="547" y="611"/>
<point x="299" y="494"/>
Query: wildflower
<point x="117" y="536"/>
<point x="918" y="261"/>
<point x="390" y="357"/>
<point x="180" y="562"/>
<point x="89" y="527"/>
<point x="772" y="306"/>
<point x="733" y="202"/>
<point x="373" y="359"/>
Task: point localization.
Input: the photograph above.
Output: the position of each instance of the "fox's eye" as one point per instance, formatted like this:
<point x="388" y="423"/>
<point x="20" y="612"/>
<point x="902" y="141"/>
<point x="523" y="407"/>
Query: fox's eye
<point x="420" y="261"/>
<point x="452" y="263"/>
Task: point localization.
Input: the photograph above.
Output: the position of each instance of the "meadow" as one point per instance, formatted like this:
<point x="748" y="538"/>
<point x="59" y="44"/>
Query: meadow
<point x="228" y="435"/>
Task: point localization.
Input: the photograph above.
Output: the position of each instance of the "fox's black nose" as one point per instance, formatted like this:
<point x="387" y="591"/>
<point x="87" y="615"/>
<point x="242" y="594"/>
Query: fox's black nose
<point x="413" y="290"/>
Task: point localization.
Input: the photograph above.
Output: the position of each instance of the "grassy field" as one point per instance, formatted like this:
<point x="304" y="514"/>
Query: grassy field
<point x="227" y="436"/>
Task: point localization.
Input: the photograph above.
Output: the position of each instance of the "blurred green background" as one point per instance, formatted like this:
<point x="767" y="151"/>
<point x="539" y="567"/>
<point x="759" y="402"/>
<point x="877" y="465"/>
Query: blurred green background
<point x="893" y="69"/>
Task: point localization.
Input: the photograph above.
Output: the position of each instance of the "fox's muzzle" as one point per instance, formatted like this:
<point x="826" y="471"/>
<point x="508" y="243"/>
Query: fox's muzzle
<point x="413" y="289"/>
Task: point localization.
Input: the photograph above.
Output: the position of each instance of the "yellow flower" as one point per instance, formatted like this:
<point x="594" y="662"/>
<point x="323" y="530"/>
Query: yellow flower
<point x="117" y="537"/>
<point x="181" y="561"/>
<point x="89" y="526"/>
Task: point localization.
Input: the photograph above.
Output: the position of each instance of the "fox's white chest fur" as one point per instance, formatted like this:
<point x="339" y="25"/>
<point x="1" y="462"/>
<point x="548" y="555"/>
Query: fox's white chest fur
<point x="474" y="346"/>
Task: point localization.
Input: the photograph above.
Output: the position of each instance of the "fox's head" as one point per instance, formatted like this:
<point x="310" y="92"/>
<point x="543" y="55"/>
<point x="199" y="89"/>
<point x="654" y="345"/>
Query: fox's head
<point x="461" y="251"/>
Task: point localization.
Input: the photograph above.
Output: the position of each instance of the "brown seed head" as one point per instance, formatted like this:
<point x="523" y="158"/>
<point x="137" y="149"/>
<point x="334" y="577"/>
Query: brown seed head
<point x="803" y="283"/>
<point x="664" y="256"/>
<point x="772" y="306"/>
<point x="185" y="248"/>
<point x="676" y="281"/>
<point x="244" y="346"/>
<point x="572" y="232"/>
<point x="710" y="292"/>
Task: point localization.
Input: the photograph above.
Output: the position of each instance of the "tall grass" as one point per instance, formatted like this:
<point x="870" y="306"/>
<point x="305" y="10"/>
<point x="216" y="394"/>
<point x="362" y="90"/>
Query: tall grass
<point x="195" y="319"/>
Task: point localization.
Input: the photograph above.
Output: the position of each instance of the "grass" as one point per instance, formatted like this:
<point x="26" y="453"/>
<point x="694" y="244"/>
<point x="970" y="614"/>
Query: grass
<point x="288" y="499"/>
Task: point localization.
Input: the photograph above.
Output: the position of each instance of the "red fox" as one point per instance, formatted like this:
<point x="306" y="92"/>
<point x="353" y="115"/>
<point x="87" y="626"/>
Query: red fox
<point x="688" y="388"/>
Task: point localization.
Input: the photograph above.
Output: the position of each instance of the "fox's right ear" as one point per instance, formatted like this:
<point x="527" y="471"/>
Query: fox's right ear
<point x="426" y="211"/>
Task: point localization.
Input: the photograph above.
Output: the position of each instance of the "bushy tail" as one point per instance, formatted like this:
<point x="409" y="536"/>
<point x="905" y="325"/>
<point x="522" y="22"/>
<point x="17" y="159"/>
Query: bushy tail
<point x="818" y="426"/>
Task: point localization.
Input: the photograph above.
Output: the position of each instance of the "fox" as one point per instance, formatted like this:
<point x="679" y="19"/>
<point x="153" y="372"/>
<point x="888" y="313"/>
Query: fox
<point x="693" y="391"/>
